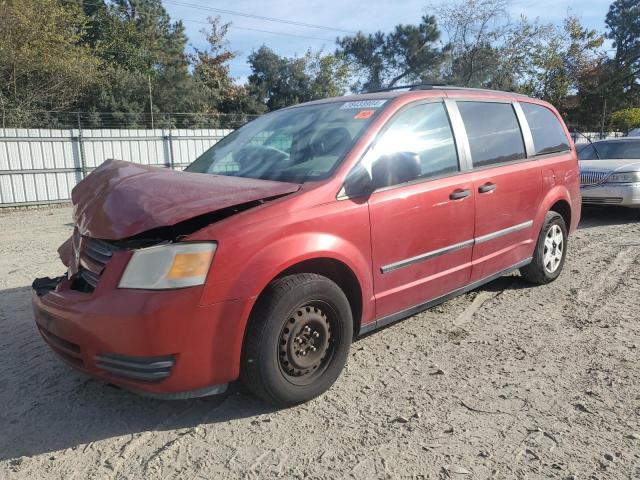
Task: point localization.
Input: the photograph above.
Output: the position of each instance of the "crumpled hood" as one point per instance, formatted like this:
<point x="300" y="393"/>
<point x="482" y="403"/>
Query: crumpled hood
<point x="122" y="199"/>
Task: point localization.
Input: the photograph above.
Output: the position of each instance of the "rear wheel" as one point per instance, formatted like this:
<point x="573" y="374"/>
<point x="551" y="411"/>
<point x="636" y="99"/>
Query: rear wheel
<point x="550" y="252"/>
<point x="297" y="340"/>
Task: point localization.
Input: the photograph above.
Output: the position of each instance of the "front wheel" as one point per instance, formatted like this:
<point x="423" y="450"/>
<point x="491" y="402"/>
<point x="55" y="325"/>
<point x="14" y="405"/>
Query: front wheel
<point x="550" y="252"/>
<point x="297" y="340"/>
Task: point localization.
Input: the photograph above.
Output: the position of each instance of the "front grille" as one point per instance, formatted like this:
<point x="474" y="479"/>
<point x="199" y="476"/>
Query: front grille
<point x="68" y="351"/>
<point x="602" y="200"/>
<point x="592" y="177"/>
<point x="93" y="257"/>
<point x="148" y="369"/>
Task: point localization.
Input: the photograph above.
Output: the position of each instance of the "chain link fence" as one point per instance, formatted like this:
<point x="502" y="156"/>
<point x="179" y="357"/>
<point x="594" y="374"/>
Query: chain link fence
<point x="121" y="120"/>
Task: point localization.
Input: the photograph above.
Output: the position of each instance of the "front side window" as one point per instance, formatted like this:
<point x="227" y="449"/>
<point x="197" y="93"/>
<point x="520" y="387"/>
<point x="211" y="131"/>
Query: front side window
<point x="417" y="143"/>
<point x="293" y="145"/>
<point x="493" y="131"/>
<point x="548" y="135"/>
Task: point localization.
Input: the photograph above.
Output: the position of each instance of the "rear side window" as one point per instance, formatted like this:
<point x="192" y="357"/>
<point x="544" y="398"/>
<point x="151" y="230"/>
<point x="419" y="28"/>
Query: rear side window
<point x="548" y="135"/>
<point x="493" y="131"/>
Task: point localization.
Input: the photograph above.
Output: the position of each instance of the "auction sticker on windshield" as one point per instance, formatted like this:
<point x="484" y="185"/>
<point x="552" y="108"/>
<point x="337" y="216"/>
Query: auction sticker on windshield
<point x="362" y="104"/>
<point x="364" y="114"/>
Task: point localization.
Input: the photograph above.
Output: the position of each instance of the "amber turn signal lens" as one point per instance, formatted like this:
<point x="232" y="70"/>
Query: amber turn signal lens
<point x="193" y="264"/>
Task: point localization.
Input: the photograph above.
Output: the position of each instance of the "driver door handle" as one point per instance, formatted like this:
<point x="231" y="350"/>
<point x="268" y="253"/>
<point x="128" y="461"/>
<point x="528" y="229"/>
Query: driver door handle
<point x="487" y="187"/>
<point x="459" y="194"/>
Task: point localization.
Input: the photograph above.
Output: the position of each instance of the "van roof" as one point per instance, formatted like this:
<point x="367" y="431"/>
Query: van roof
<point x="395" y="92"/>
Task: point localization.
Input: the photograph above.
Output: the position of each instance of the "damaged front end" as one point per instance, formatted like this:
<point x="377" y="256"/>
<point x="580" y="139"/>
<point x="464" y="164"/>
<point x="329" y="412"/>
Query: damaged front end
<point x="121" y="312"/>
<point x="123" y="207"/>
<point x="86" y="258"/>
<point x="44" y="285"/>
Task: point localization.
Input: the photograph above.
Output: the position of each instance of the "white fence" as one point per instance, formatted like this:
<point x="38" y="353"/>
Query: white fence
<point x="40" y="166"/>
<point x="586" y="137"/>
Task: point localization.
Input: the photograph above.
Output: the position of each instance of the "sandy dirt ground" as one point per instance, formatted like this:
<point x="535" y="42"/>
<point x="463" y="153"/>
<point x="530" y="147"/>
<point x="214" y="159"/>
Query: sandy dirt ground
<point x="509" y="381"/>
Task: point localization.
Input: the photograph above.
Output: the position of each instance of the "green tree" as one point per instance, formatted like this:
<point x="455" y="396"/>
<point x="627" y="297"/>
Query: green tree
<point x="279" y="81"/>
<point x="522" y="41"/>
<point x="213" y="77"/>
<point x="563" y="58"/>
<point x="410" y="53"/>
<point x="487" y="48"/>
<point x="43" y="63"/>
<point x="623" y="73"/>
<point x="142" y="50"/>
<point x="476" y="29"/>
<point x="626" y="119"/>
<point x="211" y="66"/>
<point x="329" y="75"/>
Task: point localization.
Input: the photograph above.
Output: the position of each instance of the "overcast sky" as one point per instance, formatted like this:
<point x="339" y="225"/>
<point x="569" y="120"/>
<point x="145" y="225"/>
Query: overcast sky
<point x="348" y="15"/>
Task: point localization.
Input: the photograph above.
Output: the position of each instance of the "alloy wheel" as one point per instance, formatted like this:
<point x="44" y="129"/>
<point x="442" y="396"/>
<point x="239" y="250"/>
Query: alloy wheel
<point x="553" y="249"/>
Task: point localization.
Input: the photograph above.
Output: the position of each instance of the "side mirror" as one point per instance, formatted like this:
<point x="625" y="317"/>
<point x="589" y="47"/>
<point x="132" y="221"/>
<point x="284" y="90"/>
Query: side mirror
<point x="358" y="182"/>
<point x="395" y="168"/>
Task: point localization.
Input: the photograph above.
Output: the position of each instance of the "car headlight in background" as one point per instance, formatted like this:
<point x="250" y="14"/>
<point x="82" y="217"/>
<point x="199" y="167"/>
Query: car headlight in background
<point x="168" y="266"/>
<point x="624" y="177"/>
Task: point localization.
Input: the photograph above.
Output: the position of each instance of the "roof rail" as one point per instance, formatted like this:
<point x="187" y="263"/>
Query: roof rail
<point x="440" y="86"/>
<point x="417" y="86"/>
<point x="478" y="89"/>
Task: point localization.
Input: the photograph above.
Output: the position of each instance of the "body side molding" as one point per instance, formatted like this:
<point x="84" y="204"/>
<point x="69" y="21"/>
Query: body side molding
<point x="403" y="314"/>
<point x="452" y="248"/>
<point x="506" y="231"/>
<point x="426" y="256"/>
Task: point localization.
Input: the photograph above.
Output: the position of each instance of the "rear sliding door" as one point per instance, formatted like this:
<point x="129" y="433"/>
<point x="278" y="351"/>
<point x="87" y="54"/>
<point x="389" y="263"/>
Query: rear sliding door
<point x="507" y="187"/>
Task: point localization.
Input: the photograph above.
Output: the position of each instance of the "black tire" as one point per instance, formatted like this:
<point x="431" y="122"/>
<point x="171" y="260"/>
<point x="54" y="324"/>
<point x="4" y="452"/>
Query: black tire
<point x="283" y="365"/>
<point x="539" y="271"/>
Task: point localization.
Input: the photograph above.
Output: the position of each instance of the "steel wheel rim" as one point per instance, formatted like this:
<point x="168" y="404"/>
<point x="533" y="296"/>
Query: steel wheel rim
<point x="553" y="249"/>
<point x="306" y="343"/>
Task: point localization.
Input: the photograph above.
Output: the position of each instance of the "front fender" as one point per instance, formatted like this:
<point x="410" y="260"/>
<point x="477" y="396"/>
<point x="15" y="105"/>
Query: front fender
<point x="246" y="283"/>
<point x="276" y="257"/>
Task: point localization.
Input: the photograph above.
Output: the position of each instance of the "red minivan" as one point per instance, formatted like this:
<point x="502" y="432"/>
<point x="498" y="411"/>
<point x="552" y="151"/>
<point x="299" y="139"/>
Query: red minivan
<point x="302" y="230"/>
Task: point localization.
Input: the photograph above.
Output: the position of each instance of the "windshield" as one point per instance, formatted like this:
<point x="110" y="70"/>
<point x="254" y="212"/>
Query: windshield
<point x="612" y="149"/>
<point x="292" y="145"/>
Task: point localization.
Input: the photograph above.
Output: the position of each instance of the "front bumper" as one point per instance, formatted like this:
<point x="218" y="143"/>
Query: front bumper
<point x="160" y="343"/>
<point x="623" y="194"/>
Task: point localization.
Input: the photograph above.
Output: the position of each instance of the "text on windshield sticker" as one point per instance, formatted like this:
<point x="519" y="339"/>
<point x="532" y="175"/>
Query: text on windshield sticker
<point x="360" y="104"/>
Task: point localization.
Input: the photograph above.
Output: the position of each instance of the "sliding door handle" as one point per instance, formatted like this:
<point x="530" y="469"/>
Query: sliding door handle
<point x="487" y="187"/>
<point x="459" y="194"/>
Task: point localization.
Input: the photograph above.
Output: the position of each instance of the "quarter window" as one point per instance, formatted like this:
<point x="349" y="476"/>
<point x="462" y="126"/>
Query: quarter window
<point x="418" y="143"/>
<point x="548" y="135"/>
<point x="493" y="131"/>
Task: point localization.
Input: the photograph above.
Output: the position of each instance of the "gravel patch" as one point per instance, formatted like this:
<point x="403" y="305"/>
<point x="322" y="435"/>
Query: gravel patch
<point x="507" y="381"/>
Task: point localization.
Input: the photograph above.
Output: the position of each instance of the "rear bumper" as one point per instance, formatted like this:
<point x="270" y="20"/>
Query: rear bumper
<point x="624" y="194"/>
<point x="163" y="344"/>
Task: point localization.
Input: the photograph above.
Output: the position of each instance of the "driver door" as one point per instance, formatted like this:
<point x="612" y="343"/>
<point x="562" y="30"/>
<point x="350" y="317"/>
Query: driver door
<point x="422" y="229"/>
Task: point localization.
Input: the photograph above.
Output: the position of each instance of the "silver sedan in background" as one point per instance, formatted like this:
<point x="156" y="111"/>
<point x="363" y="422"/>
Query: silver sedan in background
<point x="610" y="172"/>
